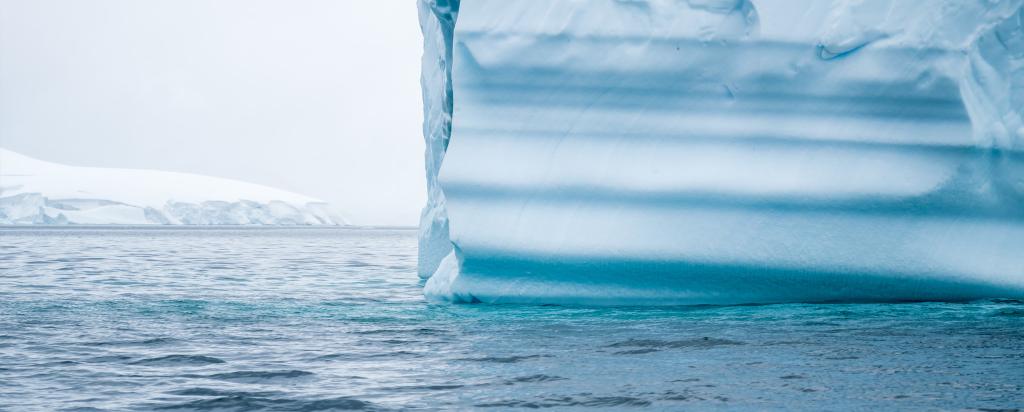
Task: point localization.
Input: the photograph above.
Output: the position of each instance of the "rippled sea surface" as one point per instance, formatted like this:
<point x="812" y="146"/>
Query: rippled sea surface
<point x="334" y="319"/>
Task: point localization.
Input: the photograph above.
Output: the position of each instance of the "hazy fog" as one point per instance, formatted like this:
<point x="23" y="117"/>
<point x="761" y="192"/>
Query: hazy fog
<point x="320" y="97"/>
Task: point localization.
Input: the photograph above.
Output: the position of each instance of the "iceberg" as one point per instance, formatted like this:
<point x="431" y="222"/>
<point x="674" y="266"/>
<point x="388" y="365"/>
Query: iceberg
<point x="723" y="151"/>
<point x="38" y="192"/>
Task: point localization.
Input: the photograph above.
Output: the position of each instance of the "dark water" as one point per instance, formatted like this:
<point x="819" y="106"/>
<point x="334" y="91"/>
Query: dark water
<point x="332" y="319"/>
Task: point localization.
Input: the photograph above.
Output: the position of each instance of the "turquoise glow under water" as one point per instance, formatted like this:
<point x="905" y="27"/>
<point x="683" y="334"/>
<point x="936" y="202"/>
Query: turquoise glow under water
<point x="328" y="319"/>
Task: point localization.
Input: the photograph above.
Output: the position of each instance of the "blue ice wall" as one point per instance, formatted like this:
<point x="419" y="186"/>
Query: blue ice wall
<point x="437" y="22"/>
<point x="674" y="152"/>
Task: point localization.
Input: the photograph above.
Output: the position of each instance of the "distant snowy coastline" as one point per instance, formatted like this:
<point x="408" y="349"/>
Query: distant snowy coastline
<point x="35" y="192"/>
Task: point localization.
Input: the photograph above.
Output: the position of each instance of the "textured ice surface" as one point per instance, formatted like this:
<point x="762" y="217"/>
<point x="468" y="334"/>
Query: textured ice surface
<point x="37" y="192"/>
<point x="724" y="151"/>
<point x="437" y="20"/>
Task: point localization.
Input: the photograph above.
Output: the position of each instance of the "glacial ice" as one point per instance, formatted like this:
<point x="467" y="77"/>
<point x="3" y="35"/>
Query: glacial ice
<point x="437" y="20"/>
<point x="723" y="151"/>
<point x="38" y="192"/>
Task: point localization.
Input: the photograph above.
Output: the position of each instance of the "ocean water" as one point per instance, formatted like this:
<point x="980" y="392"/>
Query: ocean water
<point x="334" y="319"/>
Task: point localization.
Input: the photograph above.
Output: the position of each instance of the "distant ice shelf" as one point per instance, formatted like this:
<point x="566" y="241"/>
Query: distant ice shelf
<point x="43" y="193"/>
<point x="723" y="151"/>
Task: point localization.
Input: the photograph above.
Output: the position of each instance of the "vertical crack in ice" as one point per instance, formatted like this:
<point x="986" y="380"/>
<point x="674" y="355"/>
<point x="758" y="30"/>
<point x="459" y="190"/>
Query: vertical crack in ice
<point x="437" y="21"/>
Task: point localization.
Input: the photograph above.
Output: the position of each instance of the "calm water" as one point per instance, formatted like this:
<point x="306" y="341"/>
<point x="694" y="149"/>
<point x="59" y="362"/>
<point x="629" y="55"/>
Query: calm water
<point x="327" y="319"/>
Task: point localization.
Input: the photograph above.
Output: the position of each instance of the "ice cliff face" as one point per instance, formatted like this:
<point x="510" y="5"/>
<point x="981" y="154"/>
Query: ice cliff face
<point x="437" y="20"/>
<point x="723" y="151"/>
<point x="38" y="192"/>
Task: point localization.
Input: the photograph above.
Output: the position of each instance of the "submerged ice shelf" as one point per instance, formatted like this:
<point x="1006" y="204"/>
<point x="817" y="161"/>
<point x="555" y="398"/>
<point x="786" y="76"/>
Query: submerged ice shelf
<point x="44" y="193"/>
<point x="723" y="151"/>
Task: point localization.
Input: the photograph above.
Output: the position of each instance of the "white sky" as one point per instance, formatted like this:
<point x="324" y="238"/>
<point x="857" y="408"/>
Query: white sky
<point x="319" y="97"/>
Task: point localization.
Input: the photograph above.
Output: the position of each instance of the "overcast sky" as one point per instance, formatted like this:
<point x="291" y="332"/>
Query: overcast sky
<point x="319" y="97"/>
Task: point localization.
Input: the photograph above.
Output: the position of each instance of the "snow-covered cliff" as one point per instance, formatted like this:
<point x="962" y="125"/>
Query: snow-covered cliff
<point x="37" y="192"/>
<point x="723" y="151"/>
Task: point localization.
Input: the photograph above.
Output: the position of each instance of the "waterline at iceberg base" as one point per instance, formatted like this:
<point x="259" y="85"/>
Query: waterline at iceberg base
<point x="719" y="152"/>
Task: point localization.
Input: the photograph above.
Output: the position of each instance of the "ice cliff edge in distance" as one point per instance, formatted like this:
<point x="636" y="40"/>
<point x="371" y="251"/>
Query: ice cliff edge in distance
<point x="723" y="151"/>
<point x="37" y="192"/>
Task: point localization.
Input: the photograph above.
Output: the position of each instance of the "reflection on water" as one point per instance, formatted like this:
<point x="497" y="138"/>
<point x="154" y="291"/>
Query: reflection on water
<point x="334" y="319"/>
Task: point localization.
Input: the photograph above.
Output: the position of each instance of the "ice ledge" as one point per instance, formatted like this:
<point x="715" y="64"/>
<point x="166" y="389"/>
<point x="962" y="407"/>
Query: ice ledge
<point x="36" y="209"/>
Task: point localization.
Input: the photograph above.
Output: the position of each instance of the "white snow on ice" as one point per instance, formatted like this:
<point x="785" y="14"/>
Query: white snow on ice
<point x="33" y="191"/>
